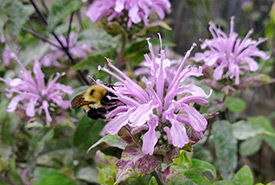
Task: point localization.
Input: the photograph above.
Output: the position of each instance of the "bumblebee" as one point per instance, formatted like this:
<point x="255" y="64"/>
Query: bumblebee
<point x="94" y="102"/>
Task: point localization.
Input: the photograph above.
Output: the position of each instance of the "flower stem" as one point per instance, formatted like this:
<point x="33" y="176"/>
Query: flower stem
<point x="39" y="37"/>
<point x="6" y="180"/>
<point x="158" y="179"/>
<point x="65" y="49"/>
<point x="121" y="51"/>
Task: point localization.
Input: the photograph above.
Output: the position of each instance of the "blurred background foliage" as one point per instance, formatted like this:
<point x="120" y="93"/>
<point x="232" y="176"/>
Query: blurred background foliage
<point x="59" y="155"/>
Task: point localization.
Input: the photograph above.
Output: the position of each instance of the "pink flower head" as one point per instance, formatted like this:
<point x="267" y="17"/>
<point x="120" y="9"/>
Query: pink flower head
<point x="76" y="50"/>
<point x="166" y="108"/>
<point x="138" y="10"/>
<point x="7" y="54"/>
<point x="33" y="94"/>
<point x="24" y="178"/>
<point x="230" y="56"/>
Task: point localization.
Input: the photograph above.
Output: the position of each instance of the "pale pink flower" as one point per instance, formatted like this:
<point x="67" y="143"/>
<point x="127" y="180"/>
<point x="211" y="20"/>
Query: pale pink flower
<point x="34" y="95"/>
<point x="76" y="50"/>
<point x="165" y="108"/>
<point x="25" y="180"/>
<point x="137" y="10"/>
<point x="7" y="54"/>
<point x="230" y="56"/>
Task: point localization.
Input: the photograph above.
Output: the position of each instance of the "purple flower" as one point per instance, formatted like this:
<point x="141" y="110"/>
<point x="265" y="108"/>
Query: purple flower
<point x="76" y="50"/>
<point x="34" y="96"/>
<point x="160" y="109"/>
<point x="24" y="178"/>
<point x="7" y="54"/>
<point x="138" y="10"/>
<point x="230" y="56"/>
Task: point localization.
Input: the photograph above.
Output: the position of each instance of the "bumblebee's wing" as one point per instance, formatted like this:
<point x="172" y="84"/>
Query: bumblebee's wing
<point x="78" y="101"/>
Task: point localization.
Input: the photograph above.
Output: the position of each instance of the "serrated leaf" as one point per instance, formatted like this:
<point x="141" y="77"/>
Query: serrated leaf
<point x="225" y="148"/>
<point x="235" y="104"/>
<point x="111" y="140"/>
<point x="134" y="163"/>
<point x="87" y="132"/>
<point x="60" y="10"/>
<point x="205" y="168"/>
<point x="244" y="176"/>
<point x="250" y="146"/>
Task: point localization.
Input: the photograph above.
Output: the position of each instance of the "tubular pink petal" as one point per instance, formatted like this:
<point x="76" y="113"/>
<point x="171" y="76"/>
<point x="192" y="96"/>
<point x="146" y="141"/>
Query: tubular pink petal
<point x="141" y="115"/>
<point x="39" y="75"/>
<point x="192" y="99"/>
<point x="30" y="108"/>
<point x="45" y="106"/>
<point x="116" y="123"/>
<point x="178" y="133"/>
<point x="197" y="121"/>
<point x="150" y="138"/>
<point x="13" y="103"/>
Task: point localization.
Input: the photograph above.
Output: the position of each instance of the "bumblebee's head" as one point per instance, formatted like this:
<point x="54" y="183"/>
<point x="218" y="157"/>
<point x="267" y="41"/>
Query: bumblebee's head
<point x="91" y="97"/>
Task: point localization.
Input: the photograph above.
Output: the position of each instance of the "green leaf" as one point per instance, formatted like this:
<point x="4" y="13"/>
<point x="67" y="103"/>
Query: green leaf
<point x="196" y="177"/>
<point x="54" y="180"/>
<point x="111" y="140"/>
<point x="88" y="174"/>
<point x="43" y="172"/>
<point x="244" y="176"/>
<point x="13" y="15"/>
<point x="261" y="121"/>
<point x="225" y="182"/>
<point x="134" y="163"/>
<point x="177" y="175"/>
<point x="153" y="181"/>
<point x="270" y="141"/>
<point x="7" y="136"/>
<point x="250" y="146"/>
<point x="106" y="168"/>
<point x="205" y="168"/>
<point x="39" y="140"/>
<point x="87" y="132"/>
<point x="225" y="148"/>
<point x="3" y="183"/>
<point x="144" y="180"/>
<point x="60" y="10"/>
<point x="90" y="62"/>
<point x="254" y="126"/>
<point x="15" y="177"/>
<point x="235" y="104"/>
<point x="184" y="160"/>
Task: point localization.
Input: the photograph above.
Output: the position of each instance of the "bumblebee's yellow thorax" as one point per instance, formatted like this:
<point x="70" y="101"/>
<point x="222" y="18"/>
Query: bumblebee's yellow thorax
<point x="94" y="95"/>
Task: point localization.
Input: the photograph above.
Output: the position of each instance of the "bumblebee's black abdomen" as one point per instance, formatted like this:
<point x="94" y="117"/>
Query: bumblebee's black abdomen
<point x="97" y="113"/>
